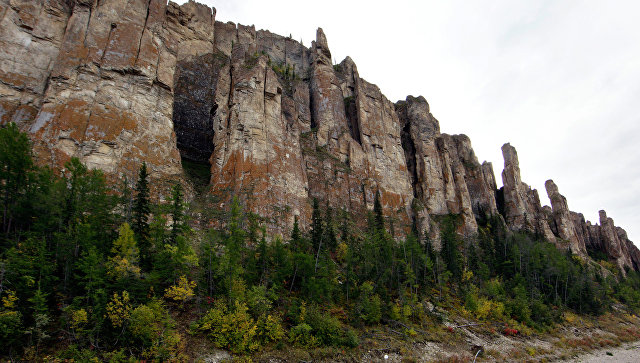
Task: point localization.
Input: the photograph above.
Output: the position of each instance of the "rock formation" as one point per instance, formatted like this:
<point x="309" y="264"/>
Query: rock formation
<point x="563" y="224"/>
<point x="119" y="82"/>
<point x="522" y="208"/>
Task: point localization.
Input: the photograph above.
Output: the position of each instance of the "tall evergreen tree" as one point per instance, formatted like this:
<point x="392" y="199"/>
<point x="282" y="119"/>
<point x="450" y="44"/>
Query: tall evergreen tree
<point x="316" y="226"/>
<point x="126" y="199"/>
<point x="450" y="252"/>
<point x="330" y="231"/>
<point x="141" y="211"/>
<point x="177" y="212"/>
<point x="377" y="212"/>
<point x="15" y="164"/>
<point x="296" y="236"/>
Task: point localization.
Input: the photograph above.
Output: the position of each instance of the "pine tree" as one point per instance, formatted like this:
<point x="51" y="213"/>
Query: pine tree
<point x="15" y="164"/>
<point x="296" y="237"/>
<point x="377" y="212"/>
<point x="177" y="212"/>
<point x="126" y="199"/>
<point x="332" y="239"/>
<point x="344" y="226"/>
<point x="317" y="232"/>
<point x="91" y="274"/>
<point x="141" y="211"/>
<point x="316" y="226"/>
<point x="450" y="252"/>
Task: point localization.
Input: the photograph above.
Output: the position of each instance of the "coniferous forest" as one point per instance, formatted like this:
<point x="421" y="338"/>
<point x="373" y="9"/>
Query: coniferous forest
<point x="93" y="271"/>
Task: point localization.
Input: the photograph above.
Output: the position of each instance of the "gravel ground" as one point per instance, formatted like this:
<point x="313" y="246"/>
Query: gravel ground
<point x="629" y="353"/>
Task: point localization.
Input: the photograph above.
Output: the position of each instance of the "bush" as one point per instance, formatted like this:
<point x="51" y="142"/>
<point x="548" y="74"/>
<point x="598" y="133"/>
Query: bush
<point x="151" y="326"/>
<point x="10" y="328"/>
<point x="369" y="307"/>
<point x="270" y="329"/>
<point x="400" y="312"/>
<point x="119" y="309"/>
<point x="541" y="313"/>
<point x="259" y="300"/>
<point x="488" y="309"/>
<point x="301" y="335"/>
<point x="72" y="353"/>
<point x="182" y="291"/>
<point x="519" y="306"/>
<point x="326" y="328"/>
<point x="143" y="324"/>
<point x="235" y="330"/>
<point x="350" y="338"/>
<point x="329" y="331"/>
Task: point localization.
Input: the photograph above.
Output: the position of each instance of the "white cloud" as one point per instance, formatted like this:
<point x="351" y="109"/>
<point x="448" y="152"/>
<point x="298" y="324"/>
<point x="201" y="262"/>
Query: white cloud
<point x="559" y="80"/>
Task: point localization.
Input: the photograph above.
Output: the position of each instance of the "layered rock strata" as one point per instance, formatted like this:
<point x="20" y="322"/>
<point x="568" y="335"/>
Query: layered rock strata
<point x="522" y="209"/>
<point x="563" y="224"/>
<point x="119" y="82"/>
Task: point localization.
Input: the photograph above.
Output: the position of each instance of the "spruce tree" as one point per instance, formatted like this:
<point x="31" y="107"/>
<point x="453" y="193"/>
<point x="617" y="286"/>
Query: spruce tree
<point x="316" y="226"/>
<point x="377" y="212"/>
<point x="344" y="226"/>
<point x="126" y="199"/>
<point x="450" y="252"/>
<point x="177" y="212"/>
<point x="295" y="235"/>
<point x="15" y="163"/>
<point x="332" y="239"/>
<point x="141" y="211"/>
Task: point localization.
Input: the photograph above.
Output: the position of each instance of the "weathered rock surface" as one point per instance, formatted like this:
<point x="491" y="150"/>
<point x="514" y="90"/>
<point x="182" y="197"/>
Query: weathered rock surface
<point x="31" y="35"/>
<point x="444" y="171"/>
<point x="119" y="82"/>
<point x="109" y="99"/>
<point x="614" y="245"/>
<point x="563" y="222"/>
<point x="522" y="208"/>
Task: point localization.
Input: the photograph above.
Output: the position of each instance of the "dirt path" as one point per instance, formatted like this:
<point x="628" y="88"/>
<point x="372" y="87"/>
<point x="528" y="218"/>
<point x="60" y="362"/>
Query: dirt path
<point x="627" y="353"/>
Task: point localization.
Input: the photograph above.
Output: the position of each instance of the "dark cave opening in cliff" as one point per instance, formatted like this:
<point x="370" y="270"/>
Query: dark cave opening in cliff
<point x="410" y="156"/>
<point x="351" y="111"/>
<point x="194" y="109"/>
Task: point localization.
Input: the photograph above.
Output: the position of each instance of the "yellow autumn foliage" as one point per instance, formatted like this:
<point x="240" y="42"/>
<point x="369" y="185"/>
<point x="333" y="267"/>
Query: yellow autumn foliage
<point x="78" y="318"/>
<point x="182" y="291"/>
<point x="233" y="330"/>
<point x="119" y="309"/>
<point x="124" y="262"/>
<point x="488" y="309"/>
<point x="9" y="301"/>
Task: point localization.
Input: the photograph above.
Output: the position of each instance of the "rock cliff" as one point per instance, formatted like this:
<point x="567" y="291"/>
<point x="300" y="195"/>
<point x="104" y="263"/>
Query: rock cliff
<point x="119" y="82"/>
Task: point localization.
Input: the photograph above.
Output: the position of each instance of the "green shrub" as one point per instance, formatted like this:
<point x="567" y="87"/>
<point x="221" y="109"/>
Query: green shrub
<point x="72" y="353"/>
<point x="153" y="329"/>
<point x="259" y="300"/>
<point x="350" y="338"/>
<point x="369" y="307"/>
<point x="144" y="324"/>
<point x="270" y="329"/>
<point x="119" y="356"/>
<point x="234" y="330"/>
<point x="10" y="327"/>
<point x="326" y="328"/>
<point x="301" y="335"/>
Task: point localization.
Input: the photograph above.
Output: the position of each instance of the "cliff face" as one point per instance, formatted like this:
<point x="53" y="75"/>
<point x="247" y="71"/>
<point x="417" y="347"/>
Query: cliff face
<point x="118" y="82"/>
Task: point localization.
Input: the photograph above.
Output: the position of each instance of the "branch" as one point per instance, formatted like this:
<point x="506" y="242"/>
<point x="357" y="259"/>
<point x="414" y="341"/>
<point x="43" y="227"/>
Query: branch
<point x="404" y="326"/>
<point x="465" y="325"/>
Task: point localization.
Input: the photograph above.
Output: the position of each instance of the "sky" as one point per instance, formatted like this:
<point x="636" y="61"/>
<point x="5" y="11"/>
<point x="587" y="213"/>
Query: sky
<point x="559" y="80"/>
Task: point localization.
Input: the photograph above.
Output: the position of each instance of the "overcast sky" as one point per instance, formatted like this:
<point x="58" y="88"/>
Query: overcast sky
<point x="559" y="80"/>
